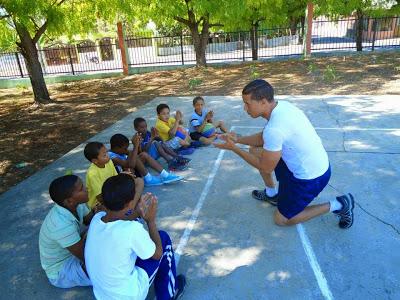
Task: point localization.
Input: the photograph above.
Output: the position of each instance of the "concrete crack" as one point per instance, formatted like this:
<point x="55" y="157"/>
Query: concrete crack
<point x="337" y="123"/>
<point x="369" y="213"/>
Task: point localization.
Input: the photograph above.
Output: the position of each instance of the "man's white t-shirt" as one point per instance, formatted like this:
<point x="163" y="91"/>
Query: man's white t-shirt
<point x="289" y="130"/>
<point x="111" y="250"/>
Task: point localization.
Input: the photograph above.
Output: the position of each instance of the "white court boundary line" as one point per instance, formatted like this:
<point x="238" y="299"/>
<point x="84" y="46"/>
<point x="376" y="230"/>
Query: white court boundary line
<point x="312" y="259"/>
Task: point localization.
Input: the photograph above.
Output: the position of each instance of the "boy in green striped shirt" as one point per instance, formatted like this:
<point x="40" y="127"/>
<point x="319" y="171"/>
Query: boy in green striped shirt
<point x="61" y="245"/>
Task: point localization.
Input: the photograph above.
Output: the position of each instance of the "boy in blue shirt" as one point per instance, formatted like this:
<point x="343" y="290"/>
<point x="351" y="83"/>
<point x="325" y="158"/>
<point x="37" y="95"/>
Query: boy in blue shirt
<point x="155" y="147"/>
<point x="200" y="120"/>
<point x="126" y="160"/>
<point x="61" y="244"/>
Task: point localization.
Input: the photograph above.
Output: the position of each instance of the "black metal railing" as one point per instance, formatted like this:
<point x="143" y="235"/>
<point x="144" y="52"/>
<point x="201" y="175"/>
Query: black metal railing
<point x="144" y="51"/>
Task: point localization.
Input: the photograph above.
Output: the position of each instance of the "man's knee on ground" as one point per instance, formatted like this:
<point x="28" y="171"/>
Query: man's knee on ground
<point x="281" y="220"/>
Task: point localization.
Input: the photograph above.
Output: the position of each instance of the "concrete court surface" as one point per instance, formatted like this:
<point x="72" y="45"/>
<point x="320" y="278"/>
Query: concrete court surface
<point x="229" y="246"/>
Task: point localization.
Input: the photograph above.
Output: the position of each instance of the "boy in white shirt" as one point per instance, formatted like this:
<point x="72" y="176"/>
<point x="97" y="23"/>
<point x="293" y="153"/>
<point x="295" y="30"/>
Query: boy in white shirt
<point x="122" y="258"/>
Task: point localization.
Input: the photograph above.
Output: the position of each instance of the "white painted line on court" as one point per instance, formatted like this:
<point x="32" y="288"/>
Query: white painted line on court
<point x="189" y="227"/>
<point x="312" y="259"/>
<point x="319" y="275"/>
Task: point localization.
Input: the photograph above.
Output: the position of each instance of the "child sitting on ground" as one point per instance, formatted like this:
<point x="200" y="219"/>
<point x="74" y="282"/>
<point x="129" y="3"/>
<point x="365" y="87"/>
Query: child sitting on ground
<point x="61" y="245"/>
<point x="100" y="169"/>
<point x="169" y="129"/>
<point x="152" y="144"/>
<point x="201" y="125"/>
<point x="127" y="160"/>
<point x="131" y="258"/>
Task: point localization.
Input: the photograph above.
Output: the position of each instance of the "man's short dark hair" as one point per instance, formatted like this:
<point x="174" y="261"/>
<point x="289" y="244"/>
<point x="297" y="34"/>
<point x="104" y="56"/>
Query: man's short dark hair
<point x="259" y="89"/>
<point x="118" y="140"/>
<point x="197" y="99"/>
<point x="62" y="188"/>
<point x="92" y="150"/>
<point x="161" y="106"/>
<point x="137" y="122"/>
<point x="117" y="191"/>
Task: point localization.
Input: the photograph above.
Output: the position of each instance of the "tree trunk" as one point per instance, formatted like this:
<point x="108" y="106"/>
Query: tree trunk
<point x="200" y="41"/>
<point x="29" y="51"/>
<point x="254" y="40"/>
<point x="293" y="25"/>
<point x="359" y="29"/>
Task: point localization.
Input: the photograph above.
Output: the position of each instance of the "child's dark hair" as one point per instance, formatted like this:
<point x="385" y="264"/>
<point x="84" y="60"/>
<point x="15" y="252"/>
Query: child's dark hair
<point x="259" y="89"/>
<point x="92" y="150"/>
<point x="161" y="106"/>
<point x="197" y="99"/>
<point x="118" y="140"/>
<point x="137" y="122"/>
<point x="62" y="188"/>
<point x="117" y="191"/>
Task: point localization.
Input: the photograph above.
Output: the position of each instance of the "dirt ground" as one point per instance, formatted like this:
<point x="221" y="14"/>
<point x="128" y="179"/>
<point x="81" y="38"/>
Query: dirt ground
<point x="32" y="138"/>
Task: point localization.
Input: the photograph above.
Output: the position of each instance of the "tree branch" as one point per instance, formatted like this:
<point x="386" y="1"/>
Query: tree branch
<point x="182" y="20"/>
<point x="40" y="32"/>
<point x="216" y="25"/>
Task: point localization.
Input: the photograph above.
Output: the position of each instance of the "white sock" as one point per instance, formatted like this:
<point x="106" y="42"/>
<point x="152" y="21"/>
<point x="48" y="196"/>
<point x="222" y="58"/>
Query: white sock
<point x="335" y="205"/>
<point x="164" y="174"/>
<point x="271" y="192"/>
<point x="148" y="177"/>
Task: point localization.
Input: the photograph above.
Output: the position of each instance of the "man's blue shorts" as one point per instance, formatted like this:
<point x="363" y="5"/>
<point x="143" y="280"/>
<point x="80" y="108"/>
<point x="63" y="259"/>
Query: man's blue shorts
<point x="295" y="194"/>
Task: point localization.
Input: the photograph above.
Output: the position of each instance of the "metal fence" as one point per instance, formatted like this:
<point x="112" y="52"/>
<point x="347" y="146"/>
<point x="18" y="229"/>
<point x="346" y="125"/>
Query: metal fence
<point x="341" y="34"/>
<point x="105" y="55"/>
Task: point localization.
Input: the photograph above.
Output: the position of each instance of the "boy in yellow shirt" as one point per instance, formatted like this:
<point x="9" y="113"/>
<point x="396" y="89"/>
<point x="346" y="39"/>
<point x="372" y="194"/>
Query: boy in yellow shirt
<point x="169" y="130"/>
<point x="100" y="169"/>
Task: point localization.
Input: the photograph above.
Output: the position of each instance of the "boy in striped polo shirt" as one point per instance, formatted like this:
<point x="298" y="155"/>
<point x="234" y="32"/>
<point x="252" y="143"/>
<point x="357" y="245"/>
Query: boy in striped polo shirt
<point x="61" y="244"/>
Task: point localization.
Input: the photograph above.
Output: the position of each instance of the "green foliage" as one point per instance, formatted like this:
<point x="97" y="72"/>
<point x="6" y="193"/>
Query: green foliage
<point x="194" y="82"/>
<point x="312" y="68"/>
<point x="254" y="73"/>
<point x="330" y="73"/>
<point x="340" y="8"/>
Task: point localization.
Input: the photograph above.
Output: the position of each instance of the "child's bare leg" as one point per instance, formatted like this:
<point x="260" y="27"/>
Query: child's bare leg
<point x="145" y="157"/>
<point x="184" y="143"/>
<point x="140" y="167"/>
<point x="139" y="186"/>
<point x="168" y="150"/>
<point x="163" y="153"/>
<point x="221" y="125"/>
<point x="207" y="141"/>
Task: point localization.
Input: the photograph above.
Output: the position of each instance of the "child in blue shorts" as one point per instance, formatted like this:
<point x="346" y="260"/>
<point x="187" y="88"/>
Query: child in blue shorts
<point x="155" y="147"/>
<point x="126" y="160"/>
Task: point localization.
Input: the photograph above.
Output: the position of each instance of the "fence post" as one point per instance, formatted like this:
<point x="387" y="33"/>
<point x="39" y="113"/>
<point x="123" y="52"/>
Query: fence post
<point x="19" y="64"/>
<point x="373" y="34"/>
<point x="183" y="62"/>
<point x="244" y="47"/>
<point x="310" y="9"/>
<point x="122" y="46"/>
<point x="70" y="61"/>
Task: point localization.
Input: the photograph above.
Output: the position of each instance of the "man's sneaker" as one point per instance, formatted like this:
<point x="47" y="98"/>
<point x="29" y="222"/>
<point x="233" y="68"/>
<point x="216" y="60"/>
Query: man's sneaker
<point x="180" y="283"/>
<point x="346" y="213"/>
<point x="171" y="178"/>
<point x="260" y="195"/>
<point x="155" y="180"/>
